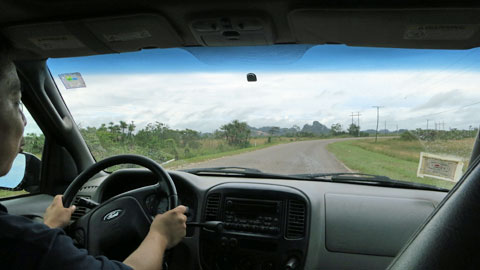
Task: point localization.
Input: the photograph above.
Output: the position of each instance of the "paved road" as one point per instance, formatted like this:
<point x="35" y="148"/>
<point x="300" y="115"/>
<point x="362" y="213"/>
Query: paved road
<point x="291" y="158"/>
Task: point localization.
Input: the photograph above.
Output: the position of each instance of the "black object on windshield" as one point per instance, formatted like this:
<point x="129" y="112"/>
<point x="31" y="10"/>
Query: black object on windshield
<point x="251" y="77"/>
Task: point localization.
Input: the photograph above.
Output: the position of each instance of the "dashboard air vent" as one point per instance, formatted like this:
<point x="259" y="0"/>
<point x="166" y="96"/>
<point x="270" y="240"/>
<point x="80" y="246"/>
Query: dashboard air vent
<point x="80" y="210"/>
<point x="296" y="218"/>
<point x="212" y="207"/>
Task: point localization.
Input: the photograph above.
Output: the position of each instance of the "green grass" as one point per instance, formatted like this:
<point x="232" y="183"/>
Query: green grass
<point x="393" y="158"/>
<point x="8" y="193"/>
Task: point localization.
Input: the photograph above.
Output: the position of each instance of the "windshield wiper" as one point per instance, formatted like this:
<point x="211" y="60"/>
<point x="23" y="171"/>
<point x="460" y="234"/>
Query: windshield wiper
<point x="369" y="179"/>
<point x="240" y="172"/>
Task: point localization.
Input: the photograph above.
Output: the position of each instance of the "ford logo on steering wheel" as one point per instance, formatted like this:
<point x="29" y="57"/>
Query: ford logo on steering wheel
<point x="112" y="215"/>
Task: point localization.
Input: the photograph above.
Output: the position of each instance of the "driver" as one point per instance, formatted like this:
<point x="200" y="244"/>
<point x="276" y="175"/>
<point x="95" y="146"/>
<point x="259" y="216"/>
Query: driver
<point x="28" y="245"/>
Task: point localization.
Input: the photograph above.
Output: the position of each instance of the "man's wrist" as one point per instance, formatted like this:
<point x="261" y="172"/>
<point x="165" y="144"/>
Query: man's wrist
<point x="51" y="226"/>
<point x="159" y="238"/>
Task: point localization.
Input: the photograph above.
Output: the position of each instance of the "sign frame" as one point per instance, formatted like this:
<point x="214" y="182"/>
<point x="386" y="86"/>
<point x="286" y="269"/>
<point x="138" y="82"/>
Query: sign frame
<point x="457" y="174"/>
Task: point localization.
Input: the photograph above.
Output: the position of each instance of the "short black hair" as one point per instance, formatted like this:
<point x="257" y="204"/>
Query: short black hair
<point x="5" y="54"/>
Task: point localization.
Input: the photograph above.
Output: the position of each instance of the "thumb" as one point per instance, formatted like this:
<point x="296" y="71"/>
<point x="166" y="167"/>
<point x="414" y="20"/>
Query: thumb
<point x="72" y="208"/>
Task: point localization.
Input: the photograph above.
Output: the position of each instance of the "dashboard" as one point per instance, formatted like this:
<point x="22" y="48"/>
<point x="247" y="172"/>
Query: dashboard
<point x="272" y="224"/>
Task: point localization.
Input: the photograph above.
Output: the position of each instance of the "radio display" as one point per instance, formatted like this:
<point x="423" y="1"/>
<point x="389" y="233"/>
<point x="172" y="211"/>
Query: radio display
<point x="249" y="207"/>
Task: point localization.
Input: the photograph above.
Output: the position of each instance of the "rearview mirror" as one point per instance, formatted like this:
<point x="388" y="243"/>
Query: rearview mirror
<point x="24" y="174"/>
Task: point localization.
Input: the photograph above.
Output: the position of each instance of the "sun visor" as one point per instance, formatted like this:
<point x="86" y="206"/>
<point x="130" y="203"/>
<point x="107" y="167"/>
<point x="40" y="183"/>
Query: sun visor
<point x="428" y="29"/>
<point x="93" y="36"/>
<point x="47" y="40"/>
<point x="131" y="33"/>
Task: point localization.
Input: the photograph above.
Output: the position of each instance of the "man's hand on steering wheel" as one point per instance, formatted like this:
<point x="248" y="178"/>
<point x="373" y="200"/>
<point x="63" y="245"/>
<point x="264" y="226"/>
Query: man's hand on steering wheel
<point x="171" y="226"/>
<point x="57" y="216"/>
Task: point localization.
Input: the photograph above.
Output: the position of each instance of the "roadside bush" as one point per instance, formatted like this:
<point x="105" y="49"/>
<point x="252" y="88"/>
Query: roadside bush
<point x="364" y="134"/>
<point x="408" y="136"/>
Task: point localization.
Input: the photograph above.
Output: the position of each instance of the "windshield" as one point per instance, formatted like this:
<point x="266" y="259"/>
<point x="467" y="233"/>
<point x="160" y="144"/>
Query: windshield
<point x="285" y="109"/>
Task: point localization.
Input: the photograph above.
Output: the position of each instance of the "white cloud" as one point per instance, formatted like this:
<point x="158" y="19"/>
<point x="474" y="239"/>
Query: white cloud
<point x="205" y="101"/>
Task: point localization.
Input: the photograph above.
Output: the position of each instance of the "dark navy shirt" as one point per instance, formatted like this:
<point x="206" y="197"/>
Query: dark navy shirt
<point x="25" y="244"/>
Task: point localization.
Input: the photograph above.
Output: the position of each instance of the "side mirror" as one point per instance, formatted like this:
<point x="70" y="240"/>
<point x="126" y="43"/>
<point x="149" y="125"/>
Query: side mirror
<point x="24" y="174"/>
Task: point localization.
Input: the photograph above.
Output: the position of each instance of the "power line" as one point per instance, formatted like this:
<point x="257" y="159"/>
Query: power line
<point x="451" y="110"/>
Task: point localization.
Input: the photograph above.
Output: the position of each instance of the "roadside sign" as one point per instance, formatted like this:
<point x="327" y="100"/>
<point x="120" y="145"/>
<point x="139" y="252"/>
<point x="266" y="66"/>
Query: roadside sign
<point x="440" y="167"/>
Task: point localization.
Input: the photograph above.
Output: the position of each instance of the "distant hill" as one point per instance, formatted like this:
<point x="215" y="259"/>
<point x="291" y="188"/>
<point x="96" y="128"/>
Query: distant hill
<point x="382" y="131"/>
<point x="269" y="130"/>
<point x="316" y="128"/>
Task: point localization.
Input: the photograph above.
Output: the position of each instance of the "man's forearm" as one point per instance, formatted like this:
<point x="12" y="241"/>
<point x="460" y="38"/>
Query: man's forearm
<point x="149" y="255"/>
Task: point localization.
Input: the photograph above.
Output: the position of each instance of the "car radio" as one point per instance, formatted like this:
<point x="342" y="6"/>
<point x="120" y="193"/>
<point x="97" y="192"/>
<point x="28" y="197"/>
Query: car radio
<point x="252" y="216"/>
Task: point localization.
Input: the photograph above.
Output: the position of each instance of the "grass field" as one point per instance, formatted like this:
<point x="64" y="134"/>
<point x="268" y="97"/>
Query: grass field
<point x="398" y="159"/>
<point x="8" y="193"/>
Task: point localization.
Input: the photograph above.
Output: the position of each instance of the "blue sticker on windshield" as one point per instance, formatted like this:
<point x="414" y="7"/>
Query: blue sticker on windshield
<point x="72" y="80"/>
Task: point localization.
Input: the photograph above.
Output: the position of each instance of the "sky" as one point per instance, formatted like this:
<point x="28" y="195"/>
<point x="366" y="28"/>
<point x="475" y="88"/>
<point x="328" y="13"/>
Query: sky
<point x="204" y="88"/>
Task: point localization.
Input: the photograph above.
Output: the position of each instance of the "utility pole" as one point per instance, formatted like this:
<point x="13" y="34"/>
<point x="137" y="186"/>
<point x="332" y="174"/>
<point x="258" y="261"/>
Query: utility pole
<point x="427" y="123"/>
<point x="358" y="123"/>
<point x="378" y="116"/>
<point x="385" y="127"/>
<point x="397" y="130"/>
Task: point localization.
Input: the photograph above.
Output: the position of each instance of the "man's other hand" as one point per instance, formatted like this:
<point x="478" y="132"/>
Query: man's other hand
<point x="171" y="226"/>
<point x="57" y="216"/>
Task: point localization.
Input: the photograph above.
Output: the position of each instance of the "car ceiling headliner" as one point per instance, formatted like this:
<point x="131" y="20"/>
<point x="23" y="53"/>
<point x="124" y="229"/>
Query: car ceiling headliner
<point x="283" y="22"/>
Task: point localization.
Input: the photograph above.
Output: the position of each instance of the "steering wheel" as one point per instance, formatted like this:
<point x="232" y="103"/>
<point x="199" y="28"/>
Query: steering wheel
<point x="122" y="218"/>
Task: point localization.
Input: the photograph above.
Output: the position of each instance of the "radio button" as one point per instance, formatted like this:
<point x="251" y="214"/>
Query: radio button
<point x="233" y="242"/>
<point x="224" y="241"/>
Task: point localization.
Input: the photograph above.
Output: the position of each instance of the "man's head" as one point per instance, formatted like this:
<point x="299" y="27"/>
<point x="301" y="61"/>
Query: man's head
<point x="12" y="120"/>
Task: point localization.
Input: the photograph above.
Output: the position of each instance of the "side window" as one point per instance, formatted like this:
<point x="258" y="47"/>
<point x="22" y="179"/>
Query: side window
<point x="24" y="176"/>
<point x="34" y="138"/>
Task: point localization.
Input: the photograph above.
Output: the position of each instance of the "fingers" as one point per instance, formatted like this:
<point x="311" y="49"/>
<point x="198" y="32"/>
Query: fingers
<point x="181" y="208"/>
<point x="58" y="199"/>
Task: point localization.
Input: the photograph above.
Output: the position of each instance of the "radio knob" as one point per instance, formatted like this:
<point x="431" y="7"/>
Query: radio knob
<point x="224" y="241"/>
<point x="233" y="242"/>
